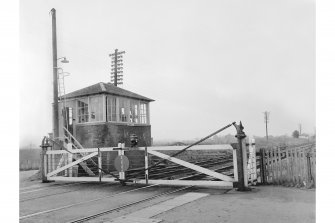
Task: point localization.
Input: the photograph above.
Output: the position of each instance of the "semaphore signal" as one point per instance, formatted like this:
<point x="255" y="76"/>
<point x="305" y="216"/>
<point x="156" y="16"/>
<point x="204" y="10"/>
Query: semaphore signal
<point x="117" y="67"/>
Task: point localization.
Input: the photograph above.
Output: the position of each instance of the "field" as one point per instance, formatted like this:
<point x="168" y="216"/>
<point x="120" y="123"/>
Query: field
<point x="29" y="159"/>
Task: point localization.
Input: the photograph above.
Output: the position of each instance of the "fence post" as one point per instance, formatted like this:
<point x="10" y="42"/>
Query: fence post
<point x="305" y="181"/>
<point x="241" y="158"/>
<point x="292" y="168"/>
<point x="300" y="168"/>
<point x="275" y="165"/>
<point x="253" y="162"/>
<point x="270" y="167"/>
<point x="310" y="180"/>
<point x="262" y="163"/>
<point x="296" y="167"/>
<point x="273" y="158"/>
<point x="122" y="175"/>
<point x="280" y="166"/>
<point x="287" y="178"/>
<point x="99" y="164"/>
<point x="146" y="165"/>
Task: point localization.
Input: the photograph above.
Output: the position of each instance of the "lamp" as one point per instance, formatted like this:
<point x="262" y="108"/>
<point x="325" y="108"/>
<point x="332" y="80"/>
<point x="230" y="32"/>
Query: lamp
<point x="64" y="60"/>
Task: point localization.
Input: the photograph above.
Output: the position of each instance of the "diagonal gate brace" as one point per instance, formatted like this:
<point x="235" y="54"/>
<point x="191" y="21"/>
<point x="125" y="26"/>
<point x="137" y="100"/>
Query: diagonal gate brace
<point x="192" y="166"/>
<point x="72" y="164"/>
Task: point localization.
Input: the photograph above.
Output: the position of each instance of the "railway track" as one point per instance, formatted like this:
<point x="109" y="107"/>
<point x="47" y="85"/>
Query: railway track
<point x="90" y="217"/>
<point x="80" y="203"/>
<point x="62" y="192"/>
<point x="194" y="177"/>
<point x="159" y="172"/>
<point x="31" y="215"/>
<point x="51" y="187"/>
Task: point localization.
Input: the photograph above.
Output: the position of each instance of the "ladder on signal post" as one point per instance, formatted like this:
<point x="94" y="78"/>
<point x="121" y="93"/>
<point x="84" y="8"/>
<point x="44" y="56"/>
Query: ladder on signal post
<point x="61" y="93"/>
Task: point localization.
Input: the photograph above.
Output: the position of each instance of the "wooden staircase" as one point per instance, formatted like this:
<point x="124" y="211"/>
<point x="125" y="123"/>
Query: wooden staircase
<point x="90" y="166"/>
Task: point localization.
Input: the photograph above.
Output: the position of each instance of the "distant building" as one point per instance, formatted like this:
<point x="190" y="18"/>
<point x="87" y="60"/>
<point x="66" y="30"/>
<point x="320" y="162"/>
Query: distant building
<point x="103" y="115"/>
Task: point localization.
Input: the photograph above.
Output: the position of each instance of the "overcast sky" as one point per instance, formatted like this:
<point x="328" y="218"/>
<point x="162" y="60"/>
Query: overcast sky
<point x="206" y="63"/>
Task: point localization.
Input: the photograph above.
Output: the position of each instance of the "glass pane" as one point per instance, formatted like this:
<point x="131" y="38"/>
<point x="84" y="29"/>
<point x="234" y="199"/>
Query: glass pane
<point x="82" y="110"/>
<point x="143" y="113"/>
<point x="111" y="108"/>
<point x="122" y="110"/>
<point x="96" y="108"/>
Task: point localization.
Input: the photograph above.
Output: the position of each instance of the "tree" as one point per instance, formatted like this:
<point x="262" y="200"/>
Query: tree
<point x="295" y="134"/>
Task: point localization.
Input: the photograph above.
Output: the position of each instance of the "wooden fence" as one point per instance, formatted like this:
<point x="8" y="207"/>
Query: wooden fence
<point x="289" y="166"/>
<point x="29" y="164"/>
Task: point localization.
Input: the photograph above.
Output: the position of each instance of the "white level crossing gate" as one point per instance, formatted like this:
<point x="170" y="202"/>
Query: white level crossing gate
<point x="64" y="163"/>
<point x="221" y="179"/>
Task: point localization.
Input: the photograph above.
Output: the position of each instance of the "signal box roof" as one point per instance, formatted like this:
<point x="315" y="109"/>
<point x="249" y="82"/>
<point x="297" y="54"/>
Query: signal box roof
<point x="104" y="88"/>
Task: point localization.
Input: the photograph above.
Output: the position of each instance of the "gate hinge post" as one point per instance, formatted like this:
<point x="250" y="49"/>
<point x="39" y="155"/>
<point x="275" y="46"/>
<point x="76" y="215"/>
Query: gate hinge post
<point x="241" y="155"/>
<point x="44" y="160"/>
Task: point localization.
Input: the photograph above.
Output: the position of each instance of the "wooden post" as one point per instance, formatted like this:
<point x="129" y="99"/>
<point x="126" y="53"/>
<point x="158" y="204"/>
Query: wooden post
<point x="44" y="165"/>
<point x="122" y="174"/>
<point x="280" y="166"/>
<point x="310" y="179"/>
<point x="235" y="164"/>
<point x="99" y="164"/>
<point x="69" y="158"/>
<point x="276" y="164"/>
<point x="313" y="160"/>
<point x="305" y="167"/>
<point x="241" y="157"/>
<point x="292" y="167"/>
<point x="146" y="165"/>
<point x="300" y="167"/>
<point x="287" y="178"/>
<point x="273" y="166"/>
<point x="261" y="164"/>
<point x="252" y="159"/>
<point x="264" y="167"/>
<point x="245" y="163"/>
<point x="269" y="164"/>
<point x="44" y="160"/>
<point x="296" y="167"/>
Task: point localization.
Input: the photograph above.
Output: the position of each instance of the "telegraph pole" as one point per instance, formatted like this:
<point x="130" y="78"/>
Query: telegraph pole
<point x="55" y="78"/>
<point x="115" y="70"/>
<point x="117" y="67"/>
<point x="266" y="120"/>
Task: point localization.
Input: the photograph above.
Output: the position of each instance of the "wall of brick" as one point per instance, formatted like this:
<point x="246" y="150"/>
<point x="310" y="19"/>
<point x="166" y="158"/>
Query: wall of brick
<point x="109" y="135"/>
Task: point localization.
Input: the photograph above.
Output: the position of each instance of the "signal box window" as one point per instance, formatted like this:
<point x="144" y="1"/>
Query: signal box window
<point x="96" y="109"/>
<point x="143" y="113"/>
<point x="82" y="110"/>
<point x="122" y="110"/>
<point x="111" y="109"/>
<point x="133" y="111"/>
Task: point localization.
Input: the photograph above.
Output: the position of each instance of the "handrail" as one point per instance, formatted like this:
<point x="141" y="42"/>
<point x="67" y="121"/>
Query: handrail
<point x="72" y="137"/>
